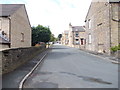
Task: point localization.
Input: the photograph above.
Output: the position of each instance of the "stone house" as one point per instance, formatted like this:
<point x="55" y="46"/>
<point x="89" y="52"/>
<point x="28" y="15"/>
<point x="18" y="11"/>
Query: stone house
<point x="74" y="37"/>
<point x="102" y="25"/>
<point x="65" y="39"/>
<point x="15" y="28"/>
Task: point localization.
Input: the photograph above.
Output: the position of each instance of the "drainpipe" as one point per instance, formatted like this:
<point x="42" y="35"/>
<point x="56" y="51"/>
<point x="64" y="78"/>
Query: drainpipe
<point x="119" y="25"/>
<point x="110" y="24"/>
<point x="9" y="31"/>
<point x="73" y="39"/>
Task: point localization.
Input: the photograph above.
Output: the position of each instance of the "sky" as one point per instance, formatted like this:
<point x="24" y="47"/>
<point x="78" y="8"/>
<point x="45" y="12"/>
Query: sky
<point x="57" y="14"/>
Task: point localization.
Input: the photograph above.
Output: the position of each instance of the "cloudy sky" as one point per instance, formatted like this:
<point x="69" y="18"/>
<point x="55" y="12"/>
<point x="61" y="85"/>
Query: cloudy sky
<point x="57" y="14"/>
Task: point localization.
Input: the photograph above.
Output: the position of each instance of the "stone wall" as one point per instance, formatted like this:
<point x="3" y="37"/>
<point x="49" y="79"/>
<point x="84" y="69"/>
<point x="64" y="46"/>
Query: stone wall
<point x="116" y="54"/>
<point x="13" y="58"/>
<point x="119" y="54"/>
<point x="97" y="25"/>
<point x="102" y="25"/>
<point x="114" y="24"/>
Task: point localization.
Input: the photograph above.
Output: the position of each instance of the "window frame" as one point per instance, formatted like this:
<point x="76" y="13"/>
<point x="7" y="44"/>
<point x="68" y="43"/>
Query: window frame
<point x="89" y="24"/>
<point x="22" y="37"/>
<point x="82" y="41"/>
<point x="89" y="38"/>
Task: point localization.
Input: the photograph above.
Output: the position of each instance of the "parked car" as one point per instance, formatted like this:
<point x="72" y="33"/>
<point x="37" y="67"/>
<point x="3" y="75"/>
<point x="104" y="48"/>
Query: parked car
<point x="40" y="44"/>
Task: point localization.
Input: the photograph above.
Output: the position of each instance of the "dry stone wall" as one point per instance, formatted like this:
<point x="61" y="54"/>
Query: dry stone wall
<point x="13" y="58"/>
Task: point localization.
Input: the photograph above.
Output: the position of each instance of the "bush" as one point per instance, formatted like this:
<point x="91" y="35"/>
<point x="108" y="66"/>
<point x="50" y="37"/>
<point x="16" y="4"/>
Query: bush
<point x="119" y="47"/>
<point x="115" y="48"/>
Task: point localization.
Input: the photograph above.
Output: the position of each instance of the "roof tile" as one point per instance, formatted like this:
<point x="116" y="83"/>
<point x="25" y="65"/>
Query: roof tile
<point x="9" y="9"/>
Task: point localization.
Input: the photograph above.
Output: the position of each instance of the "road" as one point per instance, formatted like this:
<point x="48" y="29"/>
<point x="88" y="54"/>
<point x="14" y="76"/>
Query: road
<point x="66" y="67"/>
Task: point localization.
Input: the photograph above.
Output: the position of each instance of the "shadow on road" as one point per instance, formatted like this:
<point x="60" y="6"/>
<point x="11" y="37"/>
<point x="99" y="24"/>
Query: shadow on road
<point x="58" y="53"/>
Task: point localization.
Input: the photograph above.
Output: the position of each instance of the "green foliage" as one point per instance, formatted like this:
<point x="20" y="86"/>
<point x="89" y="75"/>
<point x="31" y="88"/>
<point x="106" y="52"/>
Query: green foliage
<point x="52" y="38"/>
<point x="115" y="48"/>
<point x="40" y="34"/>
<point x="119" y="47"/>
<point x="59" y="36"/>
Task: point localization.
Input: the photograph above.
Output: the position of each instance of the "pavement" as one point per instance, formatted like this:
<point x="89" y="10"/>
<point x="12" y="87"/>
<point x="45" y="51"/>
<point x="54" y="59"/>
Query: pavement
<point x="104" y="56"/>
<point x="12" y="79"/>
<point x="66" y="67"/>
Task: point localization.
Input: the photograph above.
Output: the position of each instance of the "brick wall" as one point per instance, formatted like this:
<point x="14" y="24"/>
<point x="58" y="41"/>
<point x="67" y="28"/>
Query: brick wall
<point x="13" y="58"/>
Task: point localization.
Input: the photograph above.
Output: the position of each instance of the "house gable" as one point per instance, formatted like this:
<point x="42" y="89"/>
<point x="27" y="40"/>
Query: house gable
<point x="20" y="26"/>
<point x="9" y="9"/>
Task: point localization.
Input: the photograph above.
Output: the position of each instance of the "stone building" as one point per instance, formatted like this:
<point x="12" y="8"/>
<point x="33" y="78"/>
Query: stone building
<point x="65" y="38"/>
<point x="15" y="28"/>
<point x="74" y="37"/>
<point x="102" y="25"/>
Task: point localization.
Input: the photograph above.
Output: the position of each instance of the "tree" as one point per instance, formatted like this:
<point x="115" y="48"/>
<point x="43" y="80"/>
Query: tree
<point x="59" y="36"/>
<point x="40" y="34"/>
<point x="52" y="38"/>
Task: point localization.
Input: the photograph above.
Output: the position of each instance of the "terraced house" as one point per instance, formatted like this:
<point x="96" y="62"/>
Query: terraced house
<point x="65" y="39"/>
<point x="74" y="37"/>
<point x="15" y="28"/>
<point x="103" y="25"/>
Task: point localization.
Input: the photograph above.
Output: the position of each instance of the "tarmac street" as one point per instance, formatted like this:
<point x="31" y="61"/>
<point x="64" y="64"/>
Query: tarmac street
<point x="66" y="67"/>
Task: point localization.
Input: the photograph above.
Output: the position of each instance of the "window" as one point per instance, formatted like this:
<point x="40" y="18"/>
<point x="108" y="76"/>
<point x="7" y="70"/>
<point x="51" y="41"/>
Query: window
<point x="77" y="41"/>
<point x="66" y="36"/>
<point x="82" y="41"/>
<point x="89" y="38"/>
<point x="89" y="24"/>
<point x="4" y="35"/>
<point x="115" y="13"/>
<point x="0" y="24"/>
<point x="76" y="35"/>
<point x="76" y="29"/>
<point x="22" y="37"/>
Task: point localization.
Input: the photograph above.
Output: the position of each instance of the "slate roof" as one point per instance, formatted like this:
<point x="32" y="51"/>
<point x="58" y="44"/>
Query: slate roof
<point x="114" y="1"/>
<point x="9" y="9"/>
<point x="78" y="28"/>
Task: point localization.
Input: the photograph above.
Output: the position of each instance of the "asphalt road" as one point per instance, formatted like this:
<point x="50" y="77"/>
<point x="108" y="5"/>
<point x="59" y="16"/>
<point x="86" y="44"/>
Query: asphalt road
<point x="66" y="67"/>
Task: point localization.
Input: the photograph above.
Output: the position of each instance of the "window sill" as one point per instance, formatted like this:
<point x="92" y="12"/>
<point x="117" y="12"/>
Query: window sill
<point x="22" y="40"/>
